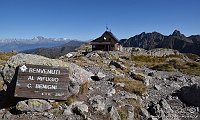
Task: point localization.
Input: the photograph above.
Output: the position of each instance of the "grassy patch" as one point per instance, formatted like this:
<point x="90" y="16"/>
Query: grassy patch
<point x="70" y="100"/>
<point x="132" y="86"/>
<point x="6" y="55"/>
<point x="80" y="61"/>
<point x="138" y="76"/>
<point x="35" y="103"/>
<point x="55" y="104"/>
<point x="192" y="56"/>
<point x="164" y="67"/>
<point x="151" y="59"/>
<point x="123" y="110"/>
<point x="1" y="85"/>
<point x="122" y="113"/>
<point x="136" y="105"/>
<point x="84" y="88"/>
<point x="192" y="68"/>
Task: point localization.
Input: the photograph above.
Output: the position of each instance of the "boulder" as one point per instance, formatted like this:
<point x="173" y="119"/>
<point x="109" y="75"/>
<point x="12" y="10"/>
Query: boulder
<point x="168" y="113"/>
<point x="111" y="92"/>
<point x="101" y="75"/>
<point x="131" y="114"/>
<point x="71" y="54"/>
<point x="68" y="111"/>
<point x="2" y="112"/>
<point x="73" y="87"/>
<point x="117" y="65"/>
<point x="114" y="114"/>
<point x="141" y="77"/>
<point x="127" y="95"/>
<point x="9" y="69"/>
<point x="7" y="116"/>
<point x="97" y="103"/>
<point x="77" y="107"/>
<point x="77" y="74"/>
<point x="92" y="55"/>
<point x="39" y="105"/>
<point x="80" y="109"/>
<point x="162" y="110"/>
<point x="157" y="87"/>
<point x="33" y="105"/>
<point x="164" y="104"/>
<point x="48" y="115"/>
<point x="21" y="59"/>
<point x="175" y="85"/>
<point x="8" y="73"/>
<point x="190" y="95"/>
<point x="22" y="106"/>
<point x="144" y="114"/>
<point x="112" y="67"/>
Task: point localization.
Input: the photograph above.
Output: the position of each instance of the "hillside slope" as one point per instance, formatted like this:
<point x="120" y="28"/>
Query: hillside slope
<point x="55" y="52"/>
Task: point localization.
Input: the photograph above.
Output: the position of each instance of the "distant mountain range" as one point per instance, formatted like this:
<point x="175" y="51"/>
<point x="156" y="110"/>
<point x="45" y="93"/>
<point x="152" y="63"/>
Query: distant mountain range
<point x="55" y="47"/>
<point x="7" y="45"/>
<point x="175" y="41"/>
<point x="55" y="52"/>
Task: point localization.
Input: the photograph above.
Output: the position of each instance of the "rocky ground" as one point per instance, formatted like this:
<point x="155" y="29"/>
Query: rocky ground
<point x="150" y="85"/>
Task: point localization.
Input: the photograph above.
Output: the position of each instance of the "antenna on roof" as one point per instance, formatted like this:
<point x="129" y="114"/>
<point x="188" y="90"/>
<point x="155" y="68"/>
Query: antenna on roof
<point x="106" y="27"/>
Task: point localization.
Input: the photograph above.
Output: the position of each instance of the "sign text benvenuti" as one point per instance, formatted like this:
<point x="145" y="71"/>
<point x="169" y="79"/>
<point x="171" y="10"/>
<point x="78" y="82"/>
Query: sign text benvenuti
<point x="37" y="81"/>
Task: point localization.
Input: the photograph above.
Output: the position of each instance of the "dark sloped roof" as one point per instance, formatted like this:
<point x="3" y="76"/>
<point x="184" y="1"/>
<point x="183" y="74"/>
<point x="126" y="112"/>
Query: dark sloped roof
<point x="101" y="40"/>
<point x="112" y="36"/>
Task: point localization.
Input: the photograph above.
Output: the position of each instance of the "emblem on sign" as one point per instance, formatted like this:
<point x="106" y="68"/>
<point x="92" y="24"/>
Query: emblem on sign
<point x="23" y="68"/>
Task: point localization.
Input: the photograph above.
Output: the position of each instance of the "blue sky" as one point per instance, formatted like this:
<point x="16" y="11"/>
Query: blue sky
<point x="87" y="19"/>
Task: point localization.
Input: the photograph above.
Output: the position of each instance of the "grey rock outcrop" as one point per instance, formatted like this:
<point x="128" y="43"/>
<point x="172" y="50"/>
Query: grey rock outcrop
<point x="158" y="52"/>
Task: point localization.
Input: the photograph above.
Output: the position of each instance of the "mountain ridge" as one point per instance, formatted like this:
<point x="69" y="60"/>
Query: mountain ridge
<point x="176" y="40"/>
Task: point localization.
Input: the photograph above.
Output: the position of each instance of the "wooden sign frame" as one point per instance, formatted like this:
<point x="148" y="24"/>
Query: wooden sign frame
<point x="38" y="81"/>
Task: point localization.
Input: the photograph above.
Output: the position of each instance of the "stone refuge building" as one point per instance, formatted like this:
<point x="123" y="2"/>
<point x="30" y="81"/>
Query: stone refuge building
<point x="107" y="42"/>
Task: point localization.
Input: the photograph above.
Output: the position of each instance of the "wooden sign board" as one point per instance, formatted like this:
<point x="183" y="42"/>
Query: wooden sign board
<point x="37" y="81"/>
